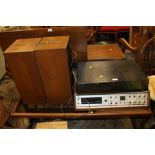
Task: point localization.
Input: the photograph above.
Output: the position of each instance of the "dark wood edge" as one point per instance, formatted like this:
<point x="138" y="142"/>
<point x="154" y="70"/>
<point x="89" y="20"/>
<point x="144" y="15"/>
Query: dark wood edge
<point x="73" y="115"/>
<point x="11" y="33"/>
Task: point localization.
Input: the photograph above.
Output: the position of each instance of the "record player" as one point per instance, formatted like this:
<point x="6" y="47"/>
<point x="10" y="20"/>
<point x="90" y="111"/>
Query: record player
<point x="110" y="84"/>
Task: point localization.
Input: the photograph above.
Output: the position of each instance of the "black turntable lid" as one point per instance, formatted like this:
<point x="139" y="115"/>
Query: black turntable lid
<point x="96" y="77"/>
<point x="92" y="72"/>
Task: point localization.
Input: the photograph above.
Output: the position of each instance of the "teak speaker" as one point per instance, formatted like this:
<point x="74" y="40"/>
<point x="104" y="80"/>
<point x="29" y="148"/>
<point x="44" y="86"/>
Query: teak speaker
<point x="41" y="69"/>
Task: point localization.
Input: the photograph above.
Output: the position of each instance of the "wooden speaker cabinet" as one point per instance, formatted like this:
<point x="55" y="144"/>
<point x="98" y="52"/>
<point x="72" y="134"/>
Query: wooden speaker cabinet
<point x="21" y="60"/>
<point x="53" y="58"/>
<point x="41" y="69"/>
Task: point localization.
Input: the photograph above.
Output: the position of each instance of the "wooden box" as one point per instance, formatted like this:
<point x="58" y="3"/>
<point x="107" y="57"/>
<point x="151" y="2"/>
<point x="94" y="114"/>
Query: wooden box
<point x="21" y="60"/>
<point x="41" y="70"/>
<point x="52" y="125"/>
<point x="52" y="55"/>
<point x="104" y="52"/>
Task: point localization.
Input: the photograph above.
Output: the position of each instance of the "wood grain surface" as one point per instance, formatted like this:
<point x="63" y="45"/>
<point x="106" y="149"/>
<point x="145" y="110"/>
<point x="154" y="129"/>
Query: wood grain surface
<point x="77" y="36"/>
<point x="52" y="60"/>
<point x="22" y="63"/>
<point x="104" y="52"/>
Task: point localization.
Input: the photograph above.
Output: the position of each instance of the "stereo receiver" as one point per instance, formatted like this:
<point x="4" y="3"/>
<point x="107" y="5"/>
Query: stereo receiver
<point x="128" y="99"/>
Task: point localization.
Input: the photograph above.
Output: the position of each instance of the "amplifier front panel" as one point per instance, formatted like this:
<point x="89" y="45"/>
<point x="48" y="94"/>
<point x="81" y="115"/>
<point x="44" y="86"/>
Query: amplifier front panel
<point x="127" y="99"/>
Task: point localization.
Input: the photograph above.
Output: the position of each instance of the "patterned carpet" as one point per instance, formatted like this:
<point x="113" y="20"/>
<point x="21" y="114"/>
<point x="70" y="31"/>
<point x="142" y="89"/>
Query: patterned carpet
<point x="121" y="123"/>
<point x="101" y="124"/>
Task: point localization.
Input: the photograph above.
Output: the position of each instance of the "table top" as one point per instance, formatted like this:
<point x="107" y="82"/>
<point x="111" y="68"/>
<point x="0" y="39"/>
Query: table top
<point x="104" y="52"/>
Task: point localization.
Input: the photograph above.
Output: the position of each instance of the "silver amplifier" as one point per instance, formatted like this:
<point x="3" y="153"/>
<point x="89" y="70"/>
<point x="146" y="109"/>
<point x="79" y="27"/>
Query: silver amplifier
<point x="125" y="99"/>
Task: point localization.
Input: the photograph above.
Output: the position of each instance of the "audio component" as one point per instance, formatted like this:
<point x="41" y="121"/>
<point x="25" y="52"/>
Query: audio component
<point x="129" y="99"/>
<point x="110" y="84"/>
<point x="41" y="68"/>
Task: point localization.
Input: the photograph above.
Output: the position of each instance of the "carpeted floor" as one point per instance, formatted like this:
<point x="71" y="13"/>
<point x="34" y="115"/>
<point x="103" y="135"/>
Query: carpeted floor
<point x="122" y="123"/>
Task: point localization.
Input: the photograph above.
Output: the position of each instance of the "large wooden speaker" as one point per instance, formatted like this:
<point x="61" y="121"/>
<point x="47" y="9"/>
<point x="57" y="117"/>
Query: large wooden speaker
<point x="41" y="68"/>
<point x="53" y="57"/>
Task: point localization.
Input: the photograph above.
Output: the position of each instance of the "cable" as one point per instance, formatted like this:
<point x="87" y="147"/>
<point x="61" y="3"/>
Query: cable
<point x="61" y="108"/>
<point x="61" y="105"/>
<point x="70" y="100"/>
<point x="89" y="110"/>
<point x="75" y="75"/>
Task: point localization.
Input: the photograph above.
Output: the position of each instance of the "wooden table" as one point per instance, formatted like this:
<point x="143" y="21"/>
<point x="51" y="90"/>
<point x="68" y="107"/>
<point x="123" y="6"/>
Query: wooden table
<point x="104" y="52"/>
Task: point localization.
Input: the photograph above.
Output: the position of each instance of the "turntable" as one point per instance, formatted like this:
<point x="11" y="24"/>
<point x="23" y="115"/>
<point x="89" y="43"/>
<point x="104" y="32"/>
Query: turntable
<point x="110" y="84"/>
